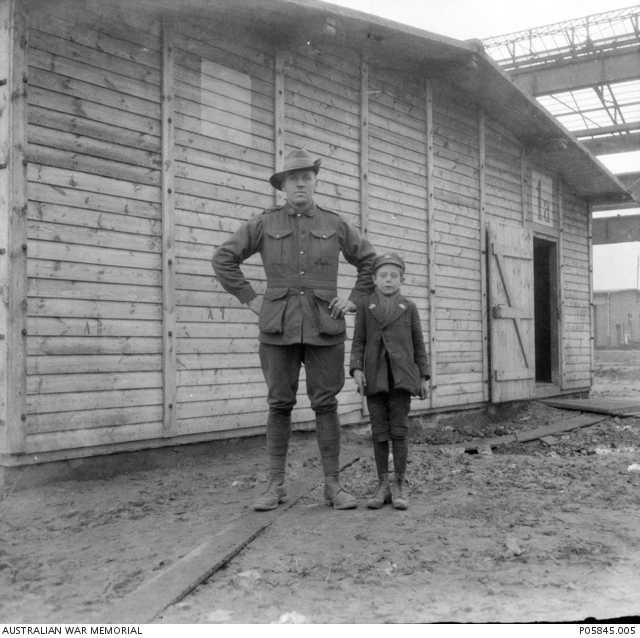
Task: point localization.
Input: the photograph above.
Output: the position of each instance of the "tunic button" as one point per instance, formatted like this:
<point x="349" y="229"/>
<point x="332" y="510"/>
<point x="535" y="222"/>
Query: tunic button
<point x="302" y="272"/>
<point x="298" y="215"/>
<point x="302" y="252"/>
<point x="302" y="292"/>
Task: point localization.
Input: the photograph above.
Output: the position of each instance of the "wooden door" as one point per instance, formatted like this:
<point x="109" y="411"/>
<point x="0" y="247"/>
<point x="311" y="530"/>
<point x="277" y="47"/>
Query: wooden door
<point x="511" y="303"/>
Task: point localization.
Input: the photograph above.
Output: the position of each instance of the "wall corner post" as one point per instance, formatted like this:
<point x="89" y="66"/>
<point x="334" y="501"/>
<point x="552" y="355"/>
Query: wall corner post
<point x="13" y="227"/>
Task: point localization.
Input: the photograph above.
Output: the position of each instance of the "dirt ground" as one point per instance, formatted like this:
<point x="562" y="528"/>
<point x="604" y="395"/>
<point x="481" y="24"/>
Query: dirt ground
<point x="526" y="532"/>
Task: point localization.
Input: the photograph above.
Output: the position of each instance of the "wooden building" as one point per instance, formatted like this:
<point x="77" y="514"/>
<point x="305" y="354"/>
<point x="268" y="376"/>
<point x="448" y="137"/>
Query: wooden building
<point x="135" y="137"/>
<point x="617" y="318"/>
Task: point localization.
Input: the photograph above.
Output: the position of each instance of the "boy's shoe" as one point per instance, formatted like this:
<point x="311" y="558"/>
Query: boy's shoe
<point x="275" y="494"/>
<point x="336" y="495"/>
<point x="382" y="494"/>
<point x="399" y="496"/>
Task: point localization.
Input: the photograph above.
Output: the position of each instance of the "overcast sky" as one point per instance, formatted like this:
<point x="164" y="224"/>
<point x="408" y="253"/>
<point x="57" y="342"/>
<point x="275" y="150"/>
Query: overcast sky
<point x="615" y="266"/>
<point x="465" y="19"/>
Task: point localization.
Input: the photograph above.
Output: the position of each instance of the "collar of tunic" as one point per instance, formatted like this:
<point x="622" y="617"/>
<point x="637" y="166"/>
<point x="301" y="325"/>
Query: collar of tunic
<point x="310" y="211"/>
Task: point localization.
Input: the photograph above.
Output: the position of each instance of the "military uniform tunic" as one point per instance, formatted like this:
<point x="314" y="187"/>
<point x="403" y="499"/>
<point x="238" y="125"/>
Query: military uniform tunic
<point x="300" y="252"/>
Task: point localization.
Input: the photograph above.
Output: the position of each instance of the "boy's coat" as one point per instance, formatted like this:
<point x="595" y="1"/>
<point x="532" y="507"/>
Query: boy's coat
<point x="400" y="335"/>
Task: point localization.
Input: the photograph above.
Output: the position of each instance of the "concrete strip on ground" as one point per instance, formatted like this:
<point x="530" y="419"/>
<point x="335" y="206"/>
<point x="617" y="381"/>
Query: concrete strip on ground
<point x="172" y="584"/>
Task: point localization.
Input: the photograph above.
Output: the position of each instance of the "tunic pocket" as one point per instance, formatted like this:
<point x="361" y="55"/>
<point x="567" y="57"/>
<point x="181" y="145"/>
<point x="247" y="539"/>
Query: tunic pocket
<point x="271" y="317"/>
<point x="277" y="247"/>
<point x="327" y="325"/>
<point x="324" y="246"/>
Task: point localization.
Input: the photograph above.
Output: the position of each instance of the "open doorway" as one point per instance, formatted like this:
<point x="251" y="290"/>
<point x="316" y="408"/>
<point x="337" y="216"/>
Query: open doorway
<point x="545" y="286"/>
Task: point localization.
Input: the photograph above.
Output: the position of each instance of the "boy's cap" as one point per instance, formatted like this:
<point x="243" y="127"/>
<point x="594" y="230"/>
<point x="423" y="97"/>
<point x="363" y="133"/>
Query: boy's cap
<point x="388" y="258"/>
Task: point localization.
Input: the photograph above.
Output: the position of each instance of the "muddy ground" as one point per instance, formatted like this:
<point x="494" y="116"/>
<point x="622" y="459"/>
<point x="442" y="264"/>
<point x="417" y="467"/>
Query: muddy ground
<point x="527" y="532"/>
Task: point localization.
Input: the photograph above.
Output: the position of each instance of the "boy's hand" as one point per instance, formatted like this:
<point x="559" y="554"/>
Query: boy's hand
<point x="424" y="389"/>
<point x="358" y="376"/>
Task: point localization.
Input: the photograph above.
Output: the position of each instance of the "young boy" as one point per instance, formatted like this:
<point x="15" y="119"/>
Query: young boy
<point x="389" y="363"/>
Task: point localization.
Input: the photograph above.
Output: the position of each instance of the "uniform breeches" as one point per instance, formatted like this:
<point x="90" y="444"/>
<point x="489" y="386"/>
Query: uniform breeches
<point x="324" y="367"/>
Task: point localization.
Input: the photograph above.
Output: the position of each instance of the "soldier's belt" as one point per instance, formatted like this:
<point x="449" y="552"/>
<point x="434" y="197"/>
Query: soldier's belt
<point x="299" y="283"/>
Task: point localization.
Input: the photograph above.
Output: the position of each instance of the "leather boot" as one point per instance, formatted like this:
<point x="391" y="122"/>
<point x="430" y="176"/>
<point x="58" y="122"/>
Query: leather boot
<point x="382" y="494"/>
<point x="399" y="496"/>
<point x="336" y="495"/>
<point x="275" y="494"/>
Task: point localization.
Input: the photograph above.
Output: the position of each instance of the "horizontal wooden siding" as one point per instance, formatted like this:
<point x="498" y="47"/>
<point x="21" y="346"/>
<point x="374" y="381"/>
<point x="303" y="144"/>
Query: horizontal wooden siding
<point x="94" y="314"/>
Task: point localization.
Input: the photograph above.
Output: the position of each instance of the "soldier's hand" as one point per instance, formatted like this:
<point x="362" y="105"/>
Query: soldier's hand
<point x="255" y="305"/>
<point x="424" y="389"/>
<point x="340" y="307"/>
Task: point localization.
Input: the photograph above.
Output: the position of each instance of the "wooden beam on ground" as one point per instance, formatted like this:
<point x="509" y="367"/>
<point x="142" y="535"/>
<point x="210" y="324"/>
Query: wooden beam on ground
<point x="616" y="406"/>
<point x="566" y="425"/>
<point x="174" y="583"/>
<point x="177" y="581"/>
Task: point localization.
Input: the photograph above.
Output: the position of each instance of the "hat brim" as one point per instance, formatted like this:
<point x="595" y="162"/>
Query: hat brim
<point x="276" y="178"/>
<point x="387" y="263"/>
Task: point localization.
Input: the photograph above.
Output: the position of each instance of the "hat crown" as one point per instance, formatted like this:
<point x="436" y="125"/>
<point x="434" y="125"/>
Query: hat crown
<point x="296" y="160"/>
<point x="299" y="159"/>
<point x="388" y="258"/>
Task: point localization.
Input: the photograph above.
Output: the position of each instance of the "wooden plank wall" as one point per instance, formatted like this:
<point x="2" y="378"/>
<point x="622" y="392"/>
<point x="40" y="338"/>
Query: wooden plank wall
<point x="504" y="175"/>
<point x="224" y="156"/>
<point x="105" y="279"/>
<point x="94" y="299"/>
<point x="458" y="287"/>
<point x="398" y="181"/>
<point x="577" y="293"/>
<point x="322" y="114"/>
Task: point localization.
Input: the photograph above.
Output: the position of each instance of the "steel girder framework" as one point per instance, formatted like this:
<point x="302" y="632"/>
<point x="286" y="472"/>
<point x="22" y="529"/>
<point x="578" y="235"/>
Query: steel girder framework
<point x="585" y="72"/>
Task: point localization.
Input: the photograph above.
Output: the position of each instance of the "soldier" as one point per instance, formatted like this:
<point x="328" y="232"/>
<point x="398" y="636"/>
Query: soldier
<point x="301" y="318"/>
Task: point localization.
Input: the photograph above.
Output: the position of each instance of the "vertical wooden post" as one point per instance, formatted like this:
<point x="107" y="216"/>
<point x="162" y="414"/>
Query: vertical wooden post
<point x="561" y="282"/>
<point x="431" y="242"/>
<point x="523" y="186"/>
<point x="364" y="147"/>
<point x="13" y="227"/>
<point x="364" y="165"/>
<point x="168" y="232"/>
<point x="483" y="253"/>
<point x="592" y="362"/>
<point x="279" y="121"/>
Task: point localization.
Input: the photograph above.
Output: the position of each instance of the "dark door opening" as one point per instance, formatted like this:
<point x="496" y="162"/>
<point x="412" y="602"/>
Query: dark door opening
<point x="545" y="288"/>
